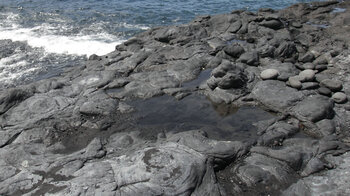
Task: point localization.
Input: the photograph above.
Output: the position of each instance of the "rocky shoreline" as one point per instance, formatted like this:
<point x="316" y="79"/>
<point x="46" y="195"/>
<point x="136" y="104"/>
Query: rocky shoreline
<point x="245" y="103"/>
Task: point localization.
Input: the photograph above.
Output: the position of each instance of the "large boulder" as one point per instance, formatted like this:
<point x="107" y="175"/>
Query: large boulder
<point x="314" y="108"/>
<point x="276" y="95"/>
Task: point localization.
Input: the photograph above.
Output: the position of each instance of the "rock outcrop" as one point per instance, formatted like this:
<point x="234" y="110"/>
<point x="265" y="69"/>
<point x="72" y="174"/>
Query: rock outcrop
<point x="94" y="130"/>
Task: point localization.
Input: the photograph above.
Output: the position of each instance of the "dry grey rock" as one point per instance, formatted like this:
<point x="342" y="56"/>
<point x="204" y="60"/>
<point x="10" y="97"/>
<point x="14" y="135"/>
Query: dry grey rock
<point x="266" y="50"/>
<point x="325" y="91"/>
<point x="276" y="95"/>
<point x="308" y="74"/>
<point x="266" y="165"/>
<point x="98" y="107"/>
<point x="309" y="85"/>
<point x="178" y="168"/>
<point x="227" y="76"/>
<point x="295" y="82"/>
<point x="212" y="82"/>
<point x="332" y="182"/>
<point x="285" y="50"/>
<point x="37" y="108"/>
<point x="307" y="66"/>
<point x="234" y="50"/>
<point x="314" y="108"/>
<point x="250" y="58"/>
<point x="181" y="164"/>
<point x="277" y="132"/>
<point x="321" y="67"/>
<point x="339" y="97"/>
<point x="269" y="74"/>
<point x="76" y="134"/>
<point x="326" y="127"/>
<point x="231" y="80"/>
<point x="308" y="57"/>
<point x="285" y="70"/>
<point x="12" y="97"/>
<point x="272" y="23"/>
<point x="333" y="85"/>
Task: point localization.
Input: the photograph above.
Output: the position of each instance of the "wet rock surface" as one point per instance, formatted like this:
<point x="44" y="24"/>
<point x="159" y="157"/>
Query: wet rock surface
<point x="246" y="103"/>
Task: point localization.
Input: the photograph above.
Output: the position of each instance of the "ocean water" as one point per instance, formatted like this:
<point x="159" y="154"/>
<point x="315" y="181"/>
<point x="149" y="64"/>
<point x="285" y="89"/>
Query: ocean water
<point x="38" y="38"/>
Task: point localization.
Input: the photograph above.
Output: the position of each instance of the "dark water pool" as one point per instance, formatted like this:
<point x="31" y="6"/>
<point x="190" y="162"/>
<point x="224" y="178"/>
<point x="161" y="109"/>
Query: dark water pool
<point x="220" y="121"/>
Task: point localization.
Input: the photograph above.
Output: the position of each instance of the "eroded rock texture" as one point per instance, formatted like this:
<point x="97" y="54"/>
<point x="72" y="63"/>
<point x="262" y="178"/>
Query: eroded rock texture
<point x="95" y="130"/>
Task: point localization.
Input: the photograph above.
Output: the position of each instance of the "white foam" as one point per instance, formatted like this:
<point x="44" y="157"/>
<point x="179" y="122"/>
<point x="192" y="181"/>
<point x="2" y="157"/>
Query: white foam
<point x="9" y="62"/>
<point x="51" y="38"/>
<point x="8" y="78"/>
<point x="135" y="26"/>
<point x="14" y="67"/>
<point x="45" y="36"/>
<point x="76" y="45"/>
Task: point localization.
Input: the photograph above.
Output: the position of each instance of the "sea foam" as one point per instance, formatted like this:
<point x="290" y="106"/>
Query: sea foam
<point x="49" y="38"/>
<point x="76" y="45"/>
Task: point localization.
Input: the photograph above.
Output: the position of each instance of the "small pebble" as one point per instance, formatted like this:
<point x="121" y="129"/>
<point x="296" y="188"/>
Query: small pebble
<point x="309" y="85"/>
<point x="321" y="67"/>
<point x="269" y="74"/>
<point x="321" y="60"/>
<point x="25" y="163"/>
<point x="308" y="57"/>
<point x="325" y="91"/>
<point x="294" y="82"/>
<point x="299" y="78"/>
<point x="308" y="66"/>
<point x="339" y="97"/>
<point x="308" y="74"/>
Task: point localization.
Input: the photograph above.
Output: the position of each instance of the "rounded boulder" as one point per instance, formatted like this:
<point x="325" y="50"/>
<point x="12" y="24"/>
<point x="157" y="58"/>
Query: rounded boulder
<point x="308" y="74"/>
<point x="339" y="97"/>
<point x="294" y="82"/>
<point x="334" y="85"/>
<point x="269" y="74"/>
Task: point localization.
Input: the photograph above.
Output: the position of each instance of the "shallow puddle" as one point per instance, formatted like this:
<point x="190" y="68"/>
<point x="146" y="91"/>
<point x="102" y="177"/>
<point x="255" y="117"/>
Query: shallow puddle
<point x="114" y="90"/>
<point x="222" y="122"/>
<point x="323" y="26"/>
<point x="338" y="10"/>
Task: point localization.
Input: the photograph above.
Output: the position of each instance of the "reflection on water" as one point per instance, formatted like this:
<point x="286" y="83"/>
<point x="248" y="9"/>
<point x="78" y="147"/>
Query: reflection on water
<point x="323" y="26"/>
<point x="338" y="10"/>
<point x="203" y="76"/>
<point x="224" y="109"/>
